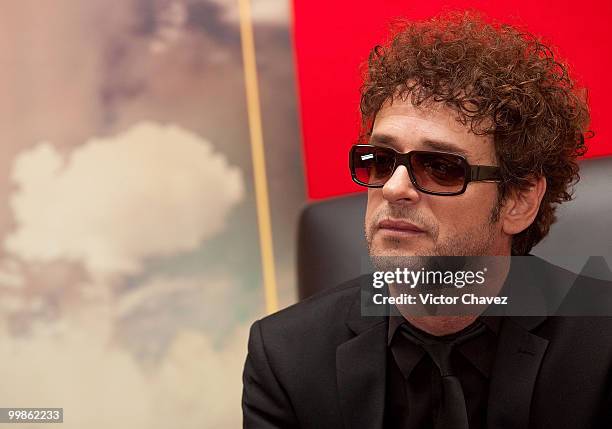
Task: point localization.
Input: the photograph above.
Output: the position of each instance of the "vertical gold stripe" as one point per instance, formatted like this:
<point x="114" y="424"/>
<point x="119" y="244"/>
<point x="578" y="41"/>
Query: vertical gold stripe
<point x="257" y="153"/>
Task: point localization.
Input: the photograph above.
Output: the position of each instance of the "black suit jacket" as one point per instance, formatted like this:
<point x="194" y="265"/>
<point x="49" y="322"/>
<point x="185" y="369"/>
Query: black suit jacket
<point x="320" y="364"/>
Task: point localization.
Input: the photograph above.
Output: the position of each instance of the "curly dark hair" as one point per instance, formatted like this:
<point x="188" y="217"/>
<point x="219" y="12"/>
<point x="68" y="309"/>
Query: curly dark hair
<point x="501" y="82"/>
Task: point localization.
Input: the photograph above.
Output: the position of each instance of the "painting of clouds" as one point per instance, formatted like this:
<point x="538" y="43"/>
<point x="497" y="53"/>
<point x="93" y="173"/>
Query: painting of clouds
<point x="130" y="268"/>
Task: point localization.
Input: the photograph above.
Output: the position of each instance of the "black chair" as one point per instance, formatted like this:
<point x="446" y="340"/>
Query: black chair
<point x="332" y="248"/>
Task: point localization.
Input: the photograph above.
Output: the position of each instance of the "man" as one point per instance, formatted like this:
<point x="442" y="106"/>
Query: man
<point x="472" y="134"/>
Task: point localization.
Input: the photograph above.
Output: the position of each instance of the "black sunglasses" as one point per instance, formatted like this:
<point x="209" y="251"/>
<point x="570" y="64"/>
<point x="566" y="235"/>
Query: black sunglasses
<point x="435" y="173"/>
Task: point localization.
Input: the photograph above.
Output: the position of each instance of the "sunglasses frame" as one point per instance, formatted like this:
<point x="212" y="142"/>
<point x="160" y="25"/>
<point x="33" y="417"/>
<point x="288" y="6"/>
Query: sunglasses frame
<point x="473" y="173"/>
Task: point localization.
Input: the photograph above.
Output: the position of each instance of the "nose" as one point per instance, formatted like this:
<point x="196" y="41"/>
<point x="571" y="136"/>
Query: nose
<point x="399" y="188"/>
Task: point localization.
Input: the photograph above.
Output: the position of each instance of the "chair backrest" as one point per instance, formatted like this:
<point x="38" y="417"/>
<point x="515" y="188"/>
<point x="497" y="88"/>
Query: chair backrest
<point x="332" y="248"/>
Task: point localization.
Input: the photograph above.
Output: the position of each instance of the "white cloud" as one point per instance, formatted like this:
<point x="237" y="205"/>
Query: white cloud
<point x="84" y="362"/>
<point x="152" y="190"/>
<point x="274" y="12"/>
<point x="204" y="382"/>
<point x="171" y="20"/>
<point x="99" y="385"/>
<point x="11" y="276"/>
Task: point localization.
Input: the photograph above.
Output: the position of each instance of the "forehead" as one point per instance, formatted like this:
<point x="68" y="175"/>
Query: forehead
<point x="432" y="126"/>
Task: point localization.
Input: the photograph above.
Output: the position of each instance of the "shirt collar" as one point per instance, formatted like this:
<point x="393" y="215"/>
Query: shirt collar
<point x="472" y="350"/>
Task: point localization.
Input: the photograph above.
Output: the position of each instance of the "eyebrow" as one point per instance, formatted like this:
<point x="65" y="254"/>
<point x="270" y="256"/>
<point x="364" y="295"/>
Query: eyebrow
<point x="439" y="145"/>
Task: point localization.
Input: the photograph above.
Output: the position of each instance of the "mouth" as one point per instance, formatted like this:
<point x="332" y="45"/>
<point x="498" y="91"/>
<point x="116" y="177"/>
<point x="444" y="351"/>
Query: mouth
<point x="399" y="228"/>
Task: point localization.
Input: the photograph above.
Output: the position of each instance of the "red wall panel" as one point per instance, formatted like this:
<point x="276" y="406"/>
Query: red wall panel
<point x="333" y="38"/>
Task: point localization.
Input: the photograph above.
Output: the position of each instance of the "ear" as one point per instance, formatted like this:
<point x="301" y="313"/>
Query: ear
<point x="521" y="207"/>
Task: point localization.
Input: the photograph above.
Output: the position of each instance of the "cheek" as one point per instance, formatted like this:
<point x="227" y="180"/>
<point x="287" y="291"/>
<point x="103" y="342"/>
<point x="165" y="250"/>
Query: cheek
<point x="374" y="201"/>
<point x="469" y="211"/>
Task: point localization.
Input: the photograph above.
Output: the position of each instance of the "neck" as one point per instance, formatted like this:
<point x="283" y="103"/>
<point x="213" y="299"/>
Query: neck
<point x="453" y="318"/>
<point x="441" y="325"/>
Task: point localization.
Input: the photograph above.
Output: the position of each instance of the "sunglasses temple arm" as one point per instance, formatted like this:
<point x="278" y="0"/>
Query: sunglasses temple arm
<point x="482" y="173"/>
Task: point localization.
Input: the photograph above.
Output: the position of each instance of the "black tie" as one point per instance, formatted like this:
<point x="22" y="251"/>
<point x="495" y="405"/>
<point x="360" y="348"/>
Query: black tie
<point x="452" y="411"/>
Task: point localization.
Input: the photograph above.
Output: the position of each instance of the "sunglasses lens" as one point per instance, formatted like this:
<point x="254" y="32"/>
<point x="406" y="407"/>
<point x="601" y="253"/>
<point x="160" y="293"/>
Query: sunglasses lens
<point x="372" y="166"/>
<point x="437" y="172"/>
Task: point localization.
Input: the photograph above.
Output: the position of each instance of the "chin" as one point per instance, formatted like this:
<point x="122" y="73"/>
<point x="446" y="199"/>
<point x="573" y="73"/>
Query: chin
<point x="389" y="258"/>
<point x="398" y="248"/>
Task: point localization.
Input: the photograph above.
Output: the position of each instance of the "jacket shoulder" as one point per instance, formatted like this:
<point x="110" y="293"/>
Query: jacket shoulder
<point x="324" y="310"/>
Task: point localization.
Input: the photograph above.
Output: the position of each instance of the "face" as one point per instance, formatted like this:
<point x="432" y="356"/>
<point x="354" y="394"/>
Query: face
<point x="402" y="221"/>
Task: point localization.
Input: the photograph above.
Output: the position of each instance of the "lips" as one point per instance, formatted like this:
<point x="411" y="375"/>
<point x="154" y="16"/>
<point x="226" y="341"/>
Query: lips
<point x="399" y="227"/>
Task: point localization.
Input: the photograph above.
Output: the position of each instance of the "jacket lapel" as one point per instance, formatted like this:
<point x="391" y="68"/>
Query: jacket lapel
<point x="517" y="363"/>
<point x="361" y="370"/>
